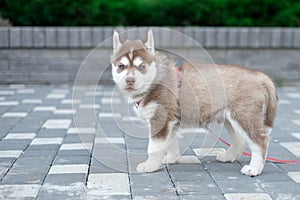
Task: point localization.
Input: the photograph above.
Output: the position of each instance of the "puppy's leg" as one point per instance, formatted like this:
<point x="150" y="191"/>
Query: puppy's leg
<point x="173" y="153"/>
<point x="258" y="147"/>
<point x="237" y="147"/>
<point x="258" y="158"/>
<point x="156" y="151"/>
<point x="257" y="162"/>
<point x="159" y="142"/>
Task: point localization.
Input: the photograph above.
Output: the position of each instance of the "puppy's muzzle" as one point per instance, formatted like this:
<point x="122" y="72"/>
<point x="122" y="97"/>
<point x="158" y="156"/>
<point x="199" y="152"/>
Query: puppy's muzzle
<point x="130" y="81"/>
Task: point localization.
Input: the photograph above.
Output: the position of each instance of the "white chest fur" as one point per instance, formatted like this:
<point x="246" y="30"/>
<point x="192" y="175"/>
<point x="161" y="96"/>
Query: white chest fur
<point x="147" y="112"/>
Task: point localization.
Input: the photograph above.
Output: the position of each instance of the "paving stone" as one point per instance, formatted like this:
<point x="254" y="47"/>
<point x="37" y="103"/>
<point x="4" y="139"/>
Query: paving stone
<point x="187" y="187"/>
<point x="39" y="152"/>
<point x="117" y="150"/>
<point x="45" y="108"/>
<point x="19" y="191"/>
<point x="295" y="176"/>
<point x="57" y="194"/>
<point x="80" y="152"/>
<point x="57" y="124"/>
<point x="14" y="145"/>
<point x="76" y="146"/>
<point x="236" y="187"/>
<point x="66" y="169"/>
<point x="241" y="196"/>
<point x="79" y="130"/>
<point x="15" y="114"/>
<point x="79" y="138"/>
<point x="293" y="147"/>
<point x="46" y="141"/>
<point x="48" y="133"/>
<point x="282" y="189"/>
<point x="65" y="179"/>
<point x="197" y="197"/>
<point x="71" y="191"/>
<point x="108" y="184"/>
<point x="112" y="157"/>
<point x="44" y="146"/>
<point x="216" y="166"/>
<point x="33" y="178"/>
<point x="151" y="184"/>
<point x="19" y="136"/>
<point x="99" y="166"/>
<point x="66" y="160"/>
<point x="9" y="103"/>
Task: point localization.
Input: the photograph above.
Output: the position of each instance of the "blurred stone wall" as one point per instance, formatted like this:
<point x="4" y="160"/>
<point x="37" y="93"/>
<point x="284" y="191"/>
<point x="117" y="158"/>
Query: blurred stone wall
<point x="54" y="55"/>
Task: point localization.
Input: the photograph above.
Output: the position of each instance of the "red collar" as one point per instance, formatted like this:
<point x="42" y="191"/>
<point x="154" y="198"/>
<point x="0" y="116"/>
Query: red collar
<point x="137" y="104"/>
<point x="178" y="77"/>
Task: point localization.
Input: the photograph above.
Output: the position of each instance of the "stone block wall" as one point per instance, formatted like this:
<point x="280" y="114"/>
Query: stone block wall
<point x="53" y="55"/>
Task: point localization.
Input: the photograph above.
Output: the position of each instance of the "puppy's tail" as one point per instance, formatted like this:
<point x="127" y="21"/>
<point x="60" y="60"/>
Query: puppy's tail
<point x="271" y="103"/>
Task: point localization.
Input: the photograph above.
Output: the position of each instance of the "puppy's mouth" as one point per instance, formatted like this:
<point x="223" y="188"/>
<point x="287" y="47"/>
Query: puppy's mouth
<point x="129" y="89"/>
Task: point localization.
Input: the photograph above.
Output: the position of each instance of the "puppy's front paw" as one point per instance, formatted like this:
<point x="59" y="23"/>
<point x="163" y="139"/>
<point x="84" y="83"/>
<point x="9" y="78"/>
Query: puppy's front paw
<point x="147" y="166"/>
<point x="170" y="159"/>
<point x="250" y="171"/>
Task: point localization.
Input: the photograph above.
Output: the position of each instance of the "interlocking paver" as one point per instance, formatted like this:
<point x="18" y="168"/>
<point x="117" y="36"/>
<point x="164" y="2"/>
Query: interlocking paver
<point x="45" y="155"/>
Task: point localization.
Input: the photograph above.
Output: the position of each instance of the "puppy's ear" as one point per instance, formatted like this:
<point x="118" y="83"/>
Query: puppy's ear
<point x="149" y="41"/>
<point x="117" y="42"/>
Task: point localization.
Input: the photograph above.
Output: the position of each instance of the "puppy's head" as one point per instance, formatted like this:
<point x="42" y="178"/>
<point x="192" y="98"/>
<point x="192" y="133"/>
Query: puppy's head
<point x="133" y="63"/>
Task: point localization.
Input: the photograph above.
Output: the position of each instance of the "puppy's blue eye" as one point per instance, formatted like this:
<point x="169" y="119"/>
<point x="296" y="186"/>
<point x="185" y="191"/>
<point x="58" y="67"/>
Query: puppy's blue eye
<point x="121" y="66"/>
<point x="141" y="67"/>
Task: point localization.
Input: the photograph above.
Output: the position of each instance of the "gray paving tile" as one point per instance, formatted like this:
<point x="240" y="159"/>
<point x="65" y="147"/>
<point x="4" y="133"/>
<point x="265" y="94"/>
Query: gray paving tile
<point x="46" y="133"/>
<point x="197" y="197"/>
<point x="32" y="178"/>
<point x="272" y="177"/>
<point x="186" y="176"/>
<point x="14" y="145"/>
<point x="78" y="138"/>
<point x="39" y="152"/>
<point x="209" y="180"/>
<point x="156" y="197"/>
<point x="100" y="166"/>
<point x="187" y="187"/>
<point x="216" y="166"/>
<point x="151" y="184"/>
<point x="282" y="189"/>
<point x="51" y="196"/>
<point x="65" y="179"/>
<point x="82" y="152"/>
<point x="45" y="146"/>
<point x="187" y="166"/>
<point x="230" y="176"/>
<point x="240" y="187"/>
<point x="66" y="159"/>
<point x="67" y="191"/>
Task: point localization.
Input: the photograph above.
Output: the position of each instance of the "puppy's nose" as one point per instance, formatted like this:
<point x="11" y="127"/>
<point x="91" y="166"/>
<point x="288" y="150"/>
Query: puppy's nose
<point x="130" y="81"/>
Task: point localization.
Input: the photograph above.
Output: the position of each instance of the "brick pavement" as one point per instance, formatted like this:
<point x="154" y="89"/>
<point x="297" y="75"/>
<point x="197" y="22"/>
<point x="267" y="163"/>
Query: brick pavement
<point x="58" y="146"/>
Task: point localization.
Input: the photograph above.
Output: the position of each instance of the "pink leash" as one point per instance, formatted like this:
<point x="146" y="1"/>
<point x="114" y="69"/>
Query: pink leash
<point x="248" y="154"/>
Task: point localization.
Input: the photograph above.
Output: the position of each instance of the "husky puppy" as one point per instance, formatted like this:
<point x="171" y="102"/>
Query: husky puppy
<point x="245" y="100"/>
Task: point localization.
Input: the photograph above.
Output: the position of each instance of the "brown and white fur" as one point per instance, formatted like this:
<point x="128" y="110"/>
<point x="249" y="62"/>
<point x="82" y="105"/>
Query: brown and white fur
<point x="244" y="99"/>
